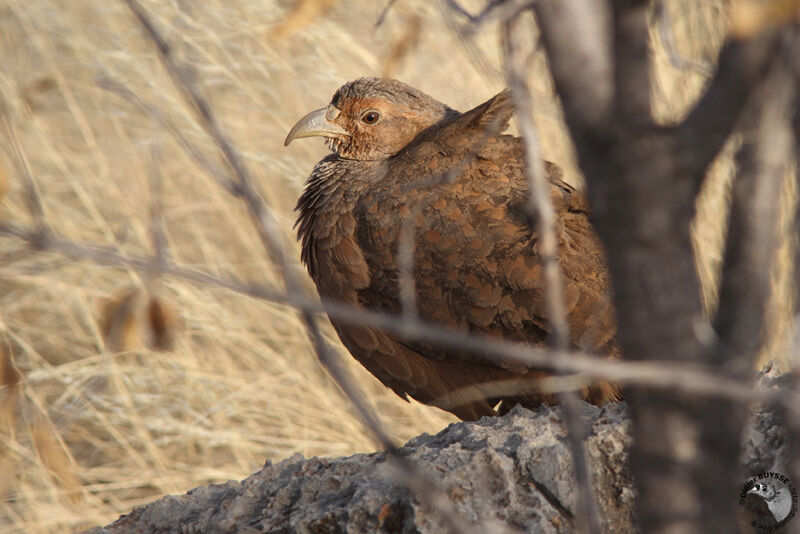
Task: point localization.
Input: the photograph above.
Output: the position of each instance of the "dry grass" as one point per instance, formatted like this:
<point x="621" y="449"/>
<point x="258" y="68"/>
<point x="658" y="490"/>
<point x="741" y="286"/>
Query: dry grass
<point x="87" y="433"/>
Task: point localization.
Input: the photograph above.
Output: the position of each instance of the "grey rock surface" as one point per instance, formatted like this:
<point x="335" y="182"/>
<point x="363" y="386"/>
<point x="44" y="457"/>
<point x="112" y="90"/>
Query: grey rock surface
<point x="513" y="470"/>
<point x="508" y="474"/>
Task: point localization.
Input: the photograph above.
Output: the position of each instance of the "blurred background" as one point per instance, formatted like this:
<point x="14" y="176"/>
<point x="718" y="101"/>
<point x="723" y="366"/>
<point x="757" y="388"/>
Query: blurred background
<point x="89" y="429"/>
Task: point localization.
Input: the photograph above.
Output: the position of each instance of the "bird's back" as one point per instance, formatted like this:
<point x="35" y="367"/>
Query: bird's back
<point x="464" y="198"/>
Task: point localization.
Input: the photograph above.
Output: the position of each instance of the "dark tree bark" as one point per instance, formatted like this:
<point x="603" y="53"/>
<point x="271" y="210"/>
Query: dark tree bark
<point x="642" y="180"/>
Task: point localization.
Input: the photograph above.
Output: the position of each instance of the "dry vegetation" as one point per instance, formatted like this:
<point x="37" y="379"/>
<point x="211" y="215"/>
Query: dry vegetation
<point x="86" y="432"/>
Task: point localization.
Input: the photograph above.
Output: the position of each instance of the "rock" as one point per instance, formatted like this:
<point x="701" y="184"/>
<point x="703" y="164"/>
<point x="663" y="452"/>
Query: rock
<point x="511" y="473"/>
<point x="513" y="470"/>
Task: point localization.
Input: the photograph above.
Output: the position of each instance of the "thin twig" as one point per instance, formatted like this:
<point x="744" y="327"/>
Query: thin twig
<point x="271" y="237"/>
<point x="383" y="14"/>
<point x="740" y="70"/>
<point x="262" y="216"/>
<point x="155" y="114"/>
<point x="514" y="58"/>
<point x="664" y="375"/>
<point x="476" y="56"/>
<point x="457" y="8"/>
<point x="493" y="10"/>
<point x="539" y="200"/>
<point x="654" y="374"/>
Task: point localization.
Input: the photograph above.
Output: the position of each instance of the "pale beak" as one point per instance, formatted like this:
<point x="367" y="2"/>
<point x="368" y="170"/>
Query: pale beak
<point x="316" y="123"/>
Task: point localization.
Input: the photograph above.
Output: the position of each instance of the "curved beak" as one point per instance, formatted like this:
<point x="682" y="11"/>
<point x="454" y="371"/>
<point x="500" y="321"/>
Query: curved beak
<point x="317" y="123"/>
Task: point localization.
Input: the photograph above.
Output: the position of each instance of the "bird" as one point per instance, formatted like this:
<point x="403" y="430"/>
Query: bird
<point x="779" y="501"/>
<point x="419" y="205"/>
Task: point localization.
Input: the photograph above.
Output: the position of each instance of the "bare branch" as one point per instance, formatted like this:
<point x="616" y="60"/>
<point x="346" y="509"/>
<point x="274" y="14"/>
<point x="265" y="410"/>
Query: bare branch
<point x="162" y="120"/>
<point x="541" y="205"/>
<point x="704" y="381"/>
<point x="577" y="40"/>
<point x="262" y="216"/>
<point x="432" y="496"/>
<point x="641" y="203"/>
<point x="540" y="202"/>
<point x="464" y="35"/>
<point x="493" y="10"/>
<point x="263" y="219"/>
<point x="700" y="137"/>
<point x="764" y="160"/>
<point x="383" y="14"/>
<point x="271" y="237"/>
<point x="455" y="7"/>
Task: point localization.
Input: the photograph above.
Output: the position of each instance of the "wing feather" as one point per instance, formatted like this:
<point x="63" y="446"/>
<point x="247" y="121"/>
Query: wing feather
<point x="476" y="264"/>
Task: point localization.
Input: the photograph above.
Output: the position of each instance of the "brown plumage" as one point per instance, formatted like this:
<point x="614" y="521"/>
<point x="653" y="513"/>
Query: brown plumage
<point x="404" y="163"/>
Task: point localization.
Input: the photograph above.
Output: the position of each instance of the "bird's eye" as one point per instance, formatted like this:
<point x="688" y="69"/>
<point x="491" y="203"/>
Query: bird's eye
<point x="371" y="117"/>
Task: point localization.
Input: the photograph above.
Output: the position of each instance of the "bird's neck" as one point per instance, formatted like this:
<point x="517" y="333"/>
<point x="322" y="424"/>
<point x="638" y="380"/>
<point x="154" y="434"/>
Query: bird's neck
<point x="331" y="192"/>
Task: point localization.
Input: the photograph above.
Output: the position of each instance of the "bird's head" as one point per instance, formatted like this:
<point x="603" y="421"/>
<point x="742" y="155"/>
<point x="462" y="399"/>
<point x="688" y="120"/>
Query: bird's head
<point x="764" y="490"/>
<point x="371" y="118"/>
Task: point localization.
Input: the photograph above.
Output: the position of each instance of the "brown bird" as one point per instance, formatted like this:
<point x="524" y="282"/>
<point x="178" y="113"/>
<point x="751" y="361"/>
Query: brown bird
<point x="409" y="170"/>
